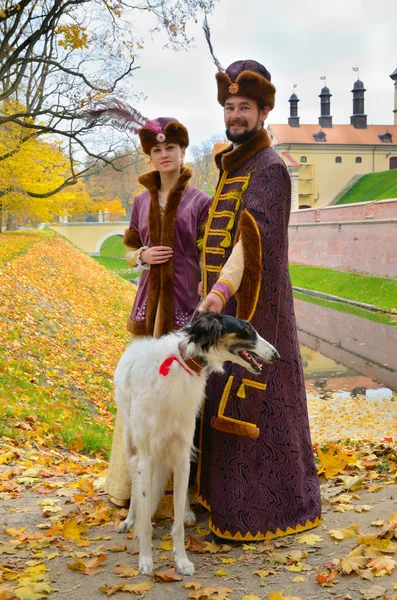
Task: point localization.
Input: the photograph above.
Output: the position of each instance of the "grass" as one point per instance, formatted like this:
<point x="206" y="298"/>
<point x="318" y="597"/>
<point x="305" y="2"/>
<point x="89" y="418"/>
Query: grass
<point x="377" y="317"/>
<point x="63" y="331"/>
<point x="373" y="186"/>
<point x="113" y="247"/>
<point x="116" y="265"/>
<point x="378" y="291"/>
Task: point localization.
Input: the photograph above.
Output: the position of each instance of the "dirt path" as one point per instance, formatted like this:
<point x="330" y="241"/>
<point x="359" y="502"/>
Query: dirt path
<point x="44" y="532"/>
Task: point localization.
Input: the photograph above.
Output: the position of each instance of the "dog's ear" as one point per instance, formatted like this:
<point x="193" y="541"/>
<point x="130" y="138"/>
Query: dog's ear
<point x="205" y="331"/>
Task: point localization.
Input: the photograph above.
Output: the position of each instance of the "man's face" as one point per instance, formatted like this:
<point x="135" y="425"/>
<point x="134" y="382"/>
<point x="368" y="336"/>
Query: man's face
<point x="243" y="118"/>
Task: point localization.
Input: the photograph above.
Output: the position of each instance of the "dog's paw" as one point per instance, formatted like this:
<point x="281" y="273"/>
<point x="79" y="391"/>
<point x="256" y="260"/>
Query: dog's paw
<point x="145" y="565"/>
<point x="125" y="526"/>
<point x="189" y="517"/>
<point x="184" y="566"/>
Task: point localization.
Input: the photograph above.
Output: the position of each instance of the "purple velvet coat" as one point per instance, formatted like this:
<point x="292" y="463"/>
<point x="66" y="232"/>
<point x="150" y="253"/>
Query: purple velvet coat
<point x="256" y="471"/>
<point x="174" y="284"/>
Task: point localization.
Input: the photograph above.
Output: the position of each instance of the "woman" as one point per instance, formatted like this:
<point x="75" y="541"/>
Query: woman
<point x="166" y="227"/>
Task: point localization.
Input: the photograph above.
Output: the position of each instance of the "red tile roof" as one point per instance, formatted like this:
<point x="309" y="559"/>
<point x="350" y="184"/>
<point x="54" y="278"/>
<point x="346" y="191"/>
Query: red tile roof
<point x="338" y="134"/>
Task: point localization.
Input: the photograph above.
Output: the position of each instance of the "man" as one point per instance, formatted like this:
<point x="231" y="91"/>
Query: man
<point x="256" y="471"/>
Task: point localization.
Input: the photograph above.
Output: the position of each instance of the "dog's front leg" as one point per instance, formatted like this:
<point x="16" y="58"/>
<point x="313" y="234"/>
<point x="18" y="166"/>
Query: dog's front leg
<point x="181" y="482"/>
<point x="144" y="479"/>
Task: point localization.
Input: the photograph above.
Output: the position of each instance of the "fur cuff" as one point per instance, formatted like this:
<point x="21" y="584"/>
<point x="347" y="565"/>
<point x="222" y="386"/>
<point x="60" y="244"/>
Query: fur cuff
<point x="132" y="239"/>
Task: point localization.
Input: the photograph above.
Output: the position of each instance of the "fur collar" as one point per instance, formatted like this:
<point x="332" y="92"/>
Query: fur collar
<point x="162" y="233"/>
<point x="151" y="181"/>
<point x="232" y="159"/>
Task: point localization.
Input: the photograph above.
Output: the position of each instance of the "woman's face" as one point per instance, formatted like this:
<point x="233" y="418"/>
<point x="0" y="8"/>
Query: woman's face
<point x="167" y="158"/>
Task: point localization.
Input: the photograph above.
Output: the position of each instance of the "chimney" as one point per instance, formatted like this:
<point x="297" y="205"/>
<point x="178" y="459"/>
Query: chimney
<point x="293" y="120"/>
<point x="325" y="119"/>
<point x="358" y="118"/>
<point x="394" y="77"/>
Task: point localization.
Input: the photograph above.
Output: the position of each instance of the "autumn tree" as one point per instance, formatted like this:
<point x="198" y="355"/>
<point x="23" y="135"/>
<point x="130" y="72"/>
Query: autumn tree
<point x="203" y="165"/>
<point x="56" y="56"/>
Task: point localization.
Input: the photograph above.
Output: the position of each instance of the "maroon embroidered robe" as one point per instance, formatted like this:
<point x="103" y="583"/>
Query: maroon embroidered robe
<point x="256" y="470"/>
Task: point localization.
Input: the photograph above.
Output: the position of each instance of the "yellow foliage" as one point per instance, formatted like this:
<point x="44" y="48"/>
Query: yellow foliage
<point x="74" y="36"/>
<point x="35" y="166"/>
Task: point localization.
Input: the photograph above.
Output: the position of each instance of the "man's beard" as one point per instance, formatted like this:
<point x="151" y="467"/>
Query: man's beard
<point x="240" y="138"/>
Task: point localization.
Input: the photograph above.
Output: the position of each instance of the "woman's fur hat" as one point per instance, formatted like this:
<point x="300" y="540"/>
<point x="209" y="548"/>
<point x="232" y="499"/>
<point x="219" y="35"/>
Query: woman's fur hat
<point x="163" y="129"/>
<point x="115" y="112"/>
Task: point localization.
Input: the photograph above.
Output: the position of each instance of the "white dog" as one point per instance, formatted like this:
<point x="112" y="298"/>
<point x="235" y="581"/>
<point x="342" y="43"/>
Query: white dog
<point x="160" y="386"/>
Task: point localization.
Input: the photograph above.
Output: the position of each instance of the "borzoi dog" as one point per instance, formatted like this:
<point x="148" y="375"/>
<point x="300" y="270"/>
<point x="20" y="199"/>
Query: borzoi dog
<point x="160" y="386"/>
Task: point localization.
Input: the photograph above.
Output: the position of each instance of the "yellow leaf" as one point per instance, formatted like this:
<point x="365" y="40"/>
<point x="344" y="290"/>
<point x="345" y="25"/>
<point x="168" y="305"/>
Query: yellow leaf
<point x="227" y="561"/>
<point x="124" y="571"/>
<point x="296" y="568"/>
<point x="193" y="585"/>
<point x="309" y="538"/>
<point x="249" y="548"/>
<point x="264" y="573"/>
<point x="354" y="561"/>
<point x="168" y="545"/>
<point x="221" y="573"/>
<point x="332" y="463"/>
<point x="345" y="533"/>
<point x="385" y="563"/>
<point x="299" y="579"/>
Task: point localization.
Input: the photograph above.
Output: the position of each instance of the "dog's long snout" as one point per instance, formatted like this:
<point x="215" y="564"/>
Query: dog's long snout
<point x="275" y="356"/>
<point x="265" y="350"/>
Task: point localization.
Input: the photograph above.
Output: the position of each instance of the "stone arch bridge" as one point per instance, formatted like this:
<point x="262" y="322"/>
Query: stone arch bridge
<point x="90" y="236"/>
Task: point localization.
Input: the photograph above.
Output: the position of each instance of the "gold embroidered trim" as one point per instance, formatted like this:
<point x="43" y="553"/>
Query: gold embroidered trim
<point x="258" y="289"/>
<point x="220" y="295"/>
<point x="225" y="395"/>
<point x="241" y="179"/>
<point x="215" y="251"/>
<point x="250" y="383"/>
<point x="214" y="268"/>
<point x="229" y="285"/>
<point x="208" y="226"/>
<point x="199" y="454"/>
<point x="227" y="238"/>
<point x="259" y="536"/>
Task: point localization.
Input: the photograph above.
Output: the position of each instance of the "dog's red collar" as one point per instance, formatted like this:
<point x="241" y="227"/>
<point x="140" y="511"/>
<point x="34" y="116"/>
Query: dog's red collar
<point x="195" y="364"/>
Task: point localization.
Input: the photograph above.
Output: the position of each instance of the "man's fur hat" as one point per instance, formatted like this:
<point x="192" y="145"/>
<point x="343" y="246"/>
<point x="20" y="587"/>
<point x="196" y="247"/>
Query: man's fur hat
<point x="246" y="78"/>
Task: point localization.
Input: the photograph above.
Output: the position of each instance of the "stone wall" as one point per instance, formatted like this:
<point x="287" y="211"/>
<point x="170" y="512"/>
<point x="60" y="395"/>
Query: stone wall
<point x="353" y="237"/>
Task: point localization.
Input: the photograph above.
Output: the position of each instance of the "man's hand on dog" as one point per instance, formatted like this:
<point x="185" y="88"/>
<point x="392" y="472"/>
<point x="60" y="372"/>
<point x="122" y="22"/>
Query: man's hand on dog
<point x="212" y="302"/>
<point x="156" y="255"/>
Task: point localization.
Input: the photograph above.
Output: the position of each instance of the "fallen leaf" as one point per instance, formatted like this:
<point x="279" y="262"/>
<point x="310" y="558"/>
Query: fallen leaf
<point x="124" y="571"/>
<point x="326" y="579"/>
<point x="345" y="533"/>
<point x="376" y="591"/>
<point x="354" y="561"/>
<point x="264" y="573"/>
<point x="309" y="538"/>
<point x="168" y="575"/>
<point x="382" y="566"/>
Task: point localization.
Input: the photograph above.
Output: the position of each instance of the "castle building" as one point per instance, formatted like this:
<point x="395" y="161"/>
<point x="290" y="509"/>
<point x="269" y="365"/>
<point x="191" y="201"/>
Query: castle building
<point x="324" y="159"/>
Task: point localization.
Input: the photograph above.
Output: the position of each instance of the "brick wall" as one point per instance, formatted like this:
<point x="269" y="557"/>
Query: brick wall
<point x="354" y="237"/>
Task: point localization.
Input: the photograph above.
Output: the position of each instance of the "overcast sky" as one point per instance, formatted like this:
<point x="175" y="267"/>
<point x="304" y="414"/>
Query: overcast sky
<point x="298" y="42"/>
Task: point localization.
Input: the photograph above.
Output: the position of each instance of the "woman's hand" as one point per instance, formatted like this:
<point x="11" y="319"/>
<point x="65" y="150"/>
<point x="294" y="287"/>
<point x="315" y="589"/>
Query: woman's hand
<point x="200" y="289"/>
<point x="156" y="255"/>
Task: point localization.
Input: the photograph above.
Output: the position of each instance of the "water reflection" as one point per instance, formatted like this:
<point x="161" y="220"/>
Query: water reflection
<point x="344" y="352"/>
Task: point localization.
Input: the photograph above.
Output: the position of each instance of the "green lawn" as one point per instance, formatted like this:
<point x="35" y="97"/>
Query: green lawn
<point x="378" y="291"/>
<point x="113" y="246"/>
<point x="117" y="265"/>
<point x="374" y="186"/>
